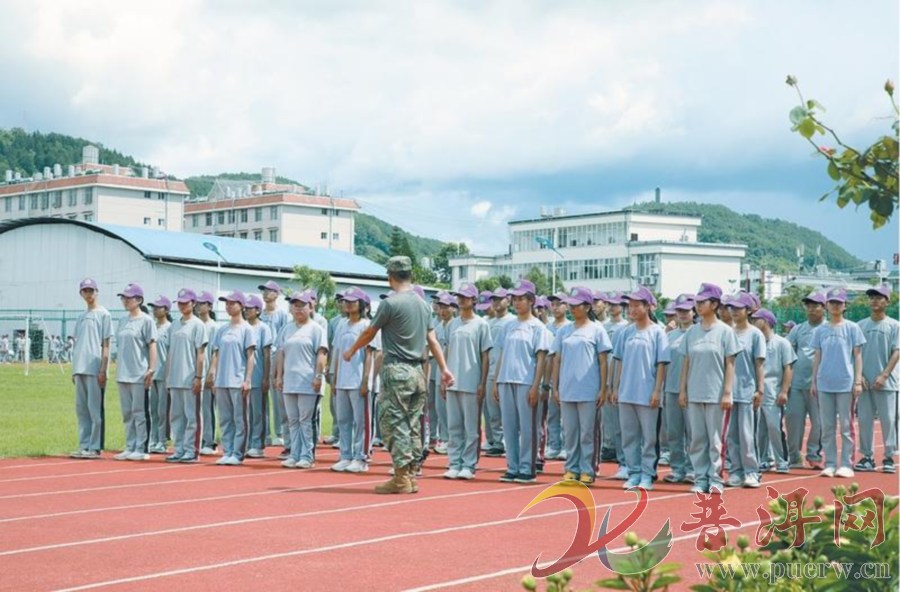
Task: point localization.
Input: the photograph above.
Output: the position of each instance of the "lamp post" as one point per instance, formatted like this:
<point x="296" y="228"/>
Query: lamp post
<point x="215" y="249"/>
<point x="551" y="244"/>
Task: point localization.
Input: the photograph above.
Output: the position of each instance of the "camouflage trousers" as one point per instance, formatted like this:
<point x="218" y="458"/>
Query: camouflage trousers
<point x="400" y="407"/>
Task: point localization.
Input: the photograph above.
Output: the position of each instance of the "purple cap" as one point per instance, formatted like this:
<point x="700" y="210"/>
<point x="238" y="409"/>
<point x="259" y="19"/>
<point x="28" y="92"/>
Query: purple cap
<point x="339" y="295"/>
<point x="162" y="302"/>
<point x="205" y="297"/>
<point x="447" y="300"/>
<point x="186" y="295"/>
<point x="598" y="295"/>
<point x="790" y="325"/>
<point x="89" y="284"/>
<point x="815" y="297"/>
<point x="354" y="294"/>
<point x="684" y="302"/>
<point x="740" y="300"/>
<point x="485" y="295"/>
<point x="302" y="296"/>
<point x="755" y="302"/>
<point x="542" y="302"/>
<point x="522" y="287"/>
<point x="270" y="285"/>
<point x="254" y="301"/>
<point x="235" y="296"/>
<point x="614" y="298"/>
<point x="836" y="295"/>
<point x="132" y="291"/>
<point x="643" y="293"/>
<point x="708" y="292"/>
<point x="314" y="294"/>
<point x="484" y="301"/>
<point x="466" y="291"/>
<point x="882" y="290"/>
<point x="499" y="293"/>
<point x="669" y="310"/>
<point x="420" y="292"/>
<point x="579" y="295"/>
<point x="765" y="315"/>
<point x="558" y="296"/>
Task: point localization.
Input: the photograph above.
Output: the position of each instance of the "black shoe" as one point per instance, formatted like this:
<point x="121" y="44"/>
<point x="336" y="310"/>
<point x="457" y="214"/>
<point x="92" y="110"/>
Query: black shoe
<point x="495" y="451"/>
<point x="888" y="466"/>
<point x="607" y="455"/>
<point x="539" y="467"/>
<point x="525" y="479"/>
<point x="508" y="477"/>
<point x="865" y="465"/>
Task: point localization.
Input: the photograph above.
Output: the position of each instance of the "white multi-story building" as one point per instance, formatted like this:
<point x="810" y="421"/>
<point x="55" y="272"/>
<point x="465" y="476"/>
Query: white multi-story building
<point x="267" y="211"/>
<point x="95" y="192"/>
<point x="611" y="251"/>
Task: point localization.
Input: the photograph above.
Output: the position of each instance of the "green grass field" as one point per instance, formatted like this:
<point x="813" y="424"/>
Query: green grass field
<point x="39" y="412"/>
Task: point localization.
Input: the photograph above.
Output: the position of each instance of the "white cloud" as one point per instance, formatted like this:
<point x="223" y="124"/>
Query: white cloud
<point x="481" y="209"/>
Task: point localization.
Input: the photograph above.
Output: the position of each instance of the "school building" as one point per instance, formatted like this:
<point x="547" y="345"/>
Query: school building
<point x="268" y="211"/>
<point x="94" y="192"/>
<point x="610" y="251"/>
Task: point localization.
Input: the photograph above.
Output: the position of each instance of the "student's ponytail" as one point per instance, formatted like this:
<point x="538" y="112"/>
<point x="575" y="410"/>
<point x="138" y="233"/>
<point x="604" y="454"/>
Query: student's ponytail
<point x="592" y="316"/>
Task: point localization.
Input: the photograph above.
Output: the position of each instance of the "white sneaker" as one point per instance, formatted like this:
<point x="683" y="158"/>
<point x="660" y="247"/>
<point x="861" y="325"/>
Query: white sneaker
<point x="277" y="441"/>
<point x="466" y="474"/>
<point x="207" y="451"/>
<point x="451" y="474"/>
<point x="340" y="466"/>
<point x="233" y="461"/>
<point x="485" y="446"/>
<point x="844" y="472"/>
<point x="827" y="472"/>
<point x="136" y="455"/>
<point x="647" y="484"/>
<point x="751" y="481"/>
<point x="255" y="453"/>
<point x="562" y="455"/>
<point x="552" y="454"/>
<point x="122" y="455"/>
<point x="304" y="464"/>
<point x="222" y="461"/>
<point x="289" y="463"/>
<point x="78" y="454"/>
<point x="357" y="466"/>
<point x="440" y="448"/>
<point x="621" y="474"/>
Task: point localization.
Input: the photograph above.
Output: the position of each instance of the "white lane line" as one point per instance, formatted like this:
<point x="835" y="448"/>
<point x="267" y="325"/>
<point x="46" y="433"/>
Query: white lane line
<point x="255" y="520"/>
<point x="364" y="542"/>
<point x="134" y="469"/>
<point x="38" y="464"/>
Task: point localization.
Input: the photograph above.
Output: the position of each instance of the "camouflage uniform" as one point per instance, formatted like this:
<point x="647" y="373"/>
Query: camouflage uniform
<point x="401" y="404"/>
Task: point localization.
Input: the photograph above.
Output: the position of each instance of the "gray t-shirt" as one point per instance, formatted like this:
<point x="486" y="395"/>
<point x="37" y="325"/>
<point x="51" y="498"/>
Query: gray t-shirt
<point x="264" y="339"/>
<point x="301" y="345"/>
<point x="498" y="334"/>
<point x="210" y="326"/>
<point x="579" y="349"/>
<point x="350" y="374"/>
<point x="92" y="328"/>
<point x="706" y="351"/>
<point x="882" y="340"/>
<point x="232" y="342"/>
<point x="185" y="338"/>
<point x="336" y="326"/>
<point x="673" y="372"/>
<point x="404" y="321"/>
<point x="753" y="346"/>
<point x="836" y="342"/>
<point x="800" y="339"/>
<point x="133" y="338"/>
<point x="521" y="344"/>
<point x="467" y="341"/>
<point x="640" y="351"/>
<point x="275" y="320"/>
<point x="442" y="334"/>
<point x="162" y="350"/>
<point x="612" y="329"/>
<point x="779" y="354"/>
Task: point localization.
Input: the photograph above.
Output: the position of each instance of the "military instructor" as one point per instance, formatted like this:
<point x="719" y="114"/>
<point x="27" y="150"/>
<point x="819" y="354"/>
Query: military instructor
<point x="404" y="321"/>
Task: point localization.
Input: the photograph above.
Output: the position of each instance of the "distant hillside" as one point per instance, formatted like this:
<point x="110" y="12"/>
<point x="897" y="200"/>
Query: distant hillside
<point x="199" y="185"/>
<point x="25" y="152"/>
<point x="770" y="242"/>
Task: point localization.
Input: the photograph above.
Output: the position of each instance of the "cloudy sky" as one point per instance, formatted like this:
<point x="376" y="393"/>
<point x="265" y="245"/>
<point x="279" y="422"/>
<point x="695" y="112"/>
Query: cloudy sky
<point x="451" y="118"/>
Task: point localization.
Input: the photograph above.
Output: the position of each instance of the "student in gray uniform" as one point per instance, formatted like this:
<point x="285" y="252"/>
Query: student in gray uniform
<point x="437" y="405"/>
<point x="541" y="309"/>
<point x="230" y="372"/>
<point x="780" y="358"/>
<point x="159" y="393"/>
<point x="204" y="312"/>
<point x="351" y="382"/>
<point x="679" y="427"/>
<point x="135" y="367"/>
<point x="707" y="377"/>
<point x="275" y="318"/>
<point x="642" y="353"/>
<point x="880" y="380"/>
<point x="187" y="350"/>
<point x="259" y="383"/>
<point x="468" y="346"/>
<point x="837" y="381"/>
<point x="612" y="432"/>
<point x="517" y="385"/>
<point x="90" y="359"/>
<point x="747" y="394"/>
<point x="555" y="447"/>
<point x="600" y="306"/>
<point x="335" y="325"/>
<point x="801" y="402"/>
<point x="579" y="382"/>
<point x="493" y="421"/>
<point x="302" y="348"/>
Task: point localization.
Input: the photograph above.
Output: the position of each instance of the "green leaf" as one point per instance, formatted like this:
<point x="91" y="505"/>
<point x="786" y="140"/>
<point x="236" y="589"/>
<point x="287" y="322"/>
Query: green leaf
<point x="664" y="581"/>
<point x="613" y="584"/>
<point x="814" y="104"/>
<point x="807" y="128"/>
<point x="703" y="588"/>
<point x="833" y="171"/>
<point x="798" y="114"/>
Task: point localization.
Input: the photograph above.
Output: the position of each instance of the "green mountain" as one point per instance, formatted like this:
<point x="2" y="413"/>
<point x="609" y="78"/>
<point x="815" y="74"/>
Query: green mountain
<point x="771" y="243"/>
<point x="199" y="185"/>
<point x="25" y="152"/>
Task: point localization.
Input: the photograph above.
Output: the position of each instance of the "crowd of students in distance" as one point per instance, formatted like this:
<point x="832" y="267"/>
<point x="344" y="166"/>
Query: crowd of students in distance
<point x="710" y="389"/>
